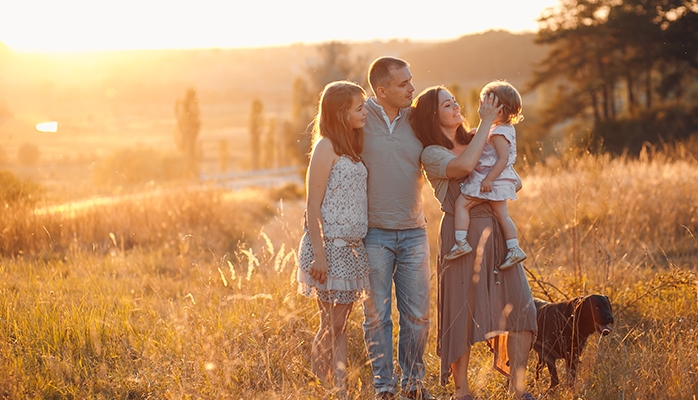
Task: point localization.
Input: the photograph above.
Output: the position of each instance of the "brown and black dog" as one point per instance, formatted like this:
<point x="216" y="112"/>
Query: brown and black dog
<point x="563" y="329"/>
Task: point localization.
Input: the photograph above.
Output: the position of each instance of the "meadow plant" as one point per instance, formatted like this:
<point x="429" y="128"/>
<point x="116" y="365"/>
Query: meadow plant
<point x="16" y="192"/>
<point x="183" y="220"/>
<point x="192" y="294"/>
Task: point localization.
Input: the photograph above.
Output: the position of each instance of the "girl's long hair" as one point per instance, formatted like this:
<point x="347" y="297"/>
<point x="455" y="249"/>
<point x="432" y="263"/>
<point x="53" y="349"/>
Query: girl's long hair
<point x="332" y="119"/>
<point x="424" y="118"/>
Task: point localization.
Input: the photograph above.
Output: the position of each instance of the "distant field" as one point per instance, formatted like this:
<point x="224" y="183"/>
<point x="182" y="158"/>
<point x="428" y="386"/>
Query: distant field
<point x="109" y="100"/>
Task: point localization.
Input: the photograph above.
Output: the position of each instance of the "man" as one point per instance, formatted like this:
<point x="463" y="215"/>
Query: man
<point x="396" y="243"/>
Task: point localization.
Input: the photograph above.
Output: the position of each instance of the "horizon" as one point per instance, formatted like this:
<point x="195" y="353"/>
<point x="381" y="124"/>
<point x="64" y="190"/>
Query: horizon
<point x="47" y="27"/>
<point x="271" y="46"/>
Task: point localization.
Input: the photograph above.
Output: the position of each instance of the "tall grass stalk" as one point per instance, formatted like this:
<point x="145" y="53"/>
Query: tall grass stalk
<point x="201" y="301"/>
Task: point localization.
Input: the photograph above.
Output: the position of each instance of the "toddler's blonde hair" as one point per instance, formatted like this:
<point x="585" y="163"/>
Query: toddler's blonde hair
<point x="509" y="97"/>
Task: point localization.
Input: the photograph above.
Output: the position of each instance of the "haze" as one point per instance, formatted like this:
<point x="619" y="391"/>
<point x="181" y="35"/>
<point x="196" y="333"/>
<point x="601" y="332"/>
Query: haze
<point x="81" y="25"/>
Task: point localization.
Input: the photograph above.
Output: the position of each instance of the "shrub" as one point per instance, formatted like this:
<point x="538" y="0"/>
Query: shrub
<point x="657" y="126"/>
<point x="14" y="190"/>
<point x="136" y="165"/>
<point x="290" y="191"/>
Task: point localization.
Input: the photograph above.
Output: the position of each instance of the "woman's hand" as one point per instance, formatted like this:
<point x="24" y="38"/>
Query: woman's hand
<point x="488" y="109"/>
<point x="463" y="164"/>
<point x="318" y="270"/>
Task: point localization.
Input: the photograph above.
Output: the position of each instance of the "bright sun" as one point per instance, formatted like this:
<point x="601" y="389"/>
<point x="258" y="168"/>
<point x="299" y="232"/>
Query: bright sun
<point x="77" y="25"/>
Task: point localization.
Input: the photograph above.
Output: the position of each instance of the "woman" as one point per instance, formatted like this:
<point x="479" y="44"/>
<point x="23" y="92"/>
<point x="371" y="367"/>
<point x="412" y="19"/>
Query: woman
<point x="477" y="302"/>
<point x="332" y="262"/>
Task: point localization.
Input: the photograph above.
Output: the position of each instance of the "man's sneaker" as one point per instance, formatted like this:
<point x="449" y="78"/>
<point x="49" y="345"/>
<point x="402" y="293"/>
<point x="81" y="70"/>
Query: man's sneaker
<point x="461" y="248"/>
<point x="514" y="256"/>
<point x="418" y="394"/>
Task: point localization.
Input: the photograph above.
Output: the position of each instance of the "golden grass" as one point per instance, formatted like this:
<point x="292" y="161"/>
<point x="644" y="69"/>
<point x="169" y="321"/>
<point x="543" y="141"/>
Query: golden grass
<point x="170" y="217"/>
<point x="192" y="294"/>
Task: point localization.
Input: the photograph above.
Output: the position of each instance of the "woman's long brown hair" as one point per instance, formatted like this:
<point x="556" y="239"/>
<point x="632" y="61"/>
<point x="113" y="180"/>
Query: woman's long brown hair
<point x="424" y="118"/>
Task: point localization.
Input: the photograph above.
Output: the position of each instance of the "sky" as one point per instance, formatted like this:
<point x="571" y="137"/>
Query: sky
<point x="83" y="25"/>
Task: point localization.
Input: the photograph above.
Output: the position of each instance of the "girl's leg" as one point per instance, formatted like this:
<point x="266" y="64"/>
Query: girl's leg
<point x="501" y="211"/>
<point x="460" y="373"/>
<point x="339" y="329"/>
<point x="321" y="353"/>
<point x="329" y="354"/>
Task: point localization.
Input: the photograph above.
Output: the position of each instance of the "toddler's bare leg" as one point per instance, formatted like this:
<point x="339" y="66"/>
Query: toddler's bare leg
<point x="514" y="254"/>
<point x="462" y="211"/>
<point x="461" y="222"/>
<point x="501" y="212"/>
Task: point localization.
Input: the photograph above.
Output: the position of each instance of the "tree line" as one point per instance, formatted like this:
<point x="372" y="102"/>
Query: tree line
<point x="618" y="74"/>
<point x="271" y="145"/>
<point x="291" y="144"/>
<point x="629" y="68"/>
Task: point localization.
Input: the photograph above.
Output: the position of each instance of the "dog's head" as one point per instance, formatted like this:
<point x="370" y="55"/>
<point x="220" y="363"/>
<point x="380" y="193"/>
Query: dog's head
<point x="598" y="309"/>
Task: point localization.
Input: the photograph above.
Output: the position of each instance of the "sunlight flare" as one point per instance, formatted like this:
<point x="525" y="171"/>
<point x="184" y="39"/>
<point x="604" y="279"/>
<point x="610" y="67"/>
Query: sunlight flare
<point x="49" y="127"/>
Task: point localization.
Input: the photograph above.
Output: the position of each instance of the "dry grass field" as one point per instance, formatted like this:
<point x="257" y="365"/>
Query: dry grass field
<point x="190" y="294"/>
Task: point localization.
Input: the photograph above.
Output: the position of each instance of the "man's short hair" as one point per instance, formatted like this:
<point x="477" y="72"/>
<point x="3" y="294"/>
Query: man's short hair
<point x="379" y="73"/>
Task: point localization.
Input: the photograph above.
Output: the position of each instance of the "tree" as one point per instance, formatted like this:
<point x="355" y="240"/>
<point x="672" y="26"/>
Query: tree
<point x="576" y="62"/>
<point x="297" y="130"/>
<point x="188" y="126"/>
<point x="612" y="61"/>
<point x="334" y="62"/>
<point x="256" y="124"/>
<point x="271" y="145"/>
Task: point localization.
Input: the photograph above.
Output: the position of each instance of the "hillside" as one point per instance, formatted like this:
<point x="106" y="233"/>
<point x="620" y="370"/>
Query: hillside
<point x="474" y="60"/>
<point x="107" y="100"/>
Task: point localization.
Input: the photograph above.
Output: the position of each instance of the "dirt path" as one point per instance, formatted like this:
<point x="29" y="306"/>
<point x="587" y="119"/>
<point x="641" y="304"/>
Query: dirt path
<point x="232" y="182"/>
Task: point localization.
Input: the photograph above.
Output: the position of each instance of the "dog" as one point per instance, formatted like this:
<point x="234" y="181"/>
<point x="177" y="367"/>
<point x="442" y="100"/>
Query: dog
<point x="563" y="330"/>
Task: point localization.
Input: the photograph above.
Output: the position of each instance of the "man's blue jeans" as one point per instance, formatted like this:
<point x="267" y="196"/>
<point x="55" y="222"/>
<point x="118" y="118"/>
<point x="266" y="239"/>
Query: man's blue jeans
<point x="400" y="257"/>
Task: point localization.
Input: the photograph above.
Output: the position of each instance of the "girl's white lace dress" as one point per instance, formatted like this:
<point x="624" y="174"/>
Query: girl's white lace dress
<point x="344" y="225"/>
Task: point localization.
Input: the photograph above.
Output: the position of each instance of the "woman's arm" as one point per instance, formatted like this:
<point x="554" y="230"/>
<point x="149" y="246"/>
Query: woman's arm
<point x="465" y="163"/>
<point x="501" y="145"/>
<point x="321" y="161"/>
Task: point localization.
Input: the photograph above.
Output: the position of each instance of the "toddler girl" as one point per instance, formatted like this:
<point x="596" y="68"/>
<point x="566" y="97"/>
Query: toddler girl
<point x="494" y="178"/>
